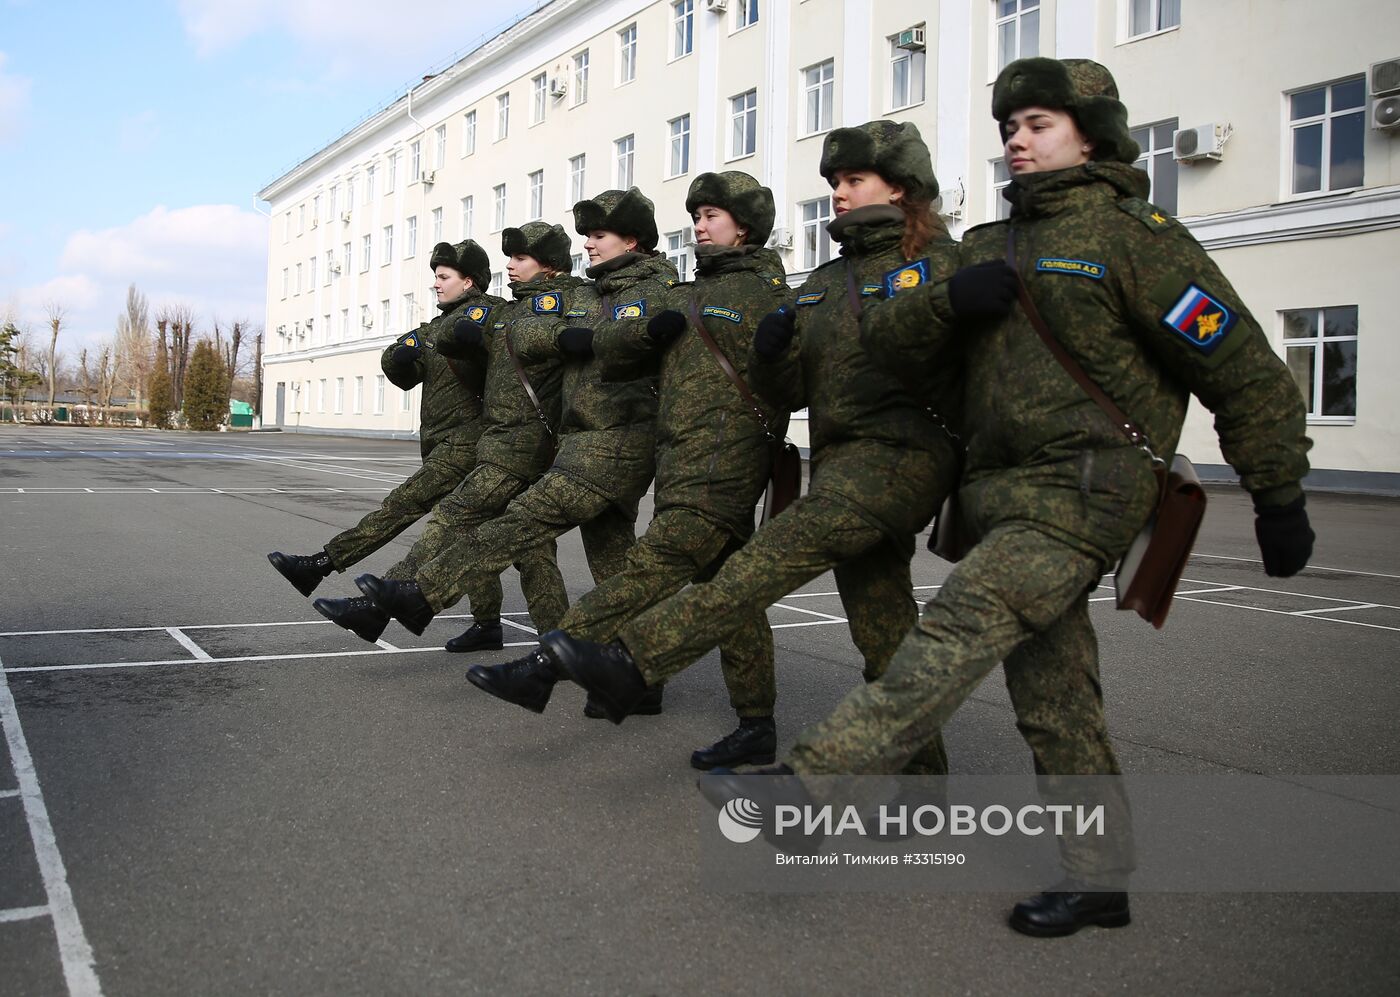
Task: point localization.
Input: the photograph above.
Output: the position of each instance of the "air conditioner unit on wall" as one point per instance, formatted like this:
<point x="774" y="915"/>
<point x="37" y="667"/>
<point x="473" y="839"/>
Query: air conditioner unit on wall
<point x="367" y="320"/>
<point x="716" y="6"/>
<point x="345" y="216"/>
<point x="912" y="39"/>
<point x="781" y="238"/>
<point x="558" y="86"/>
<point x="1204" y="142"/>
<point x="1385" y="95"/>
<point x="428" y="176"/>
<point x="334" y="266"/>
<point x="315" y="221"/>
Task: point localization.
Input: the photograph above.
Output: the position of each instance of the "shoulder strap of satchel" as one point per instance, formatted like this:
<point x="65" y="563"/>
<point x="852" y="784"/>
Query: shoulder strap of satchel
<point x="852" y="292"/>
<point x="1119" y="418"/>
<point x="525" y="382"/>
<point x="727" y="367"/>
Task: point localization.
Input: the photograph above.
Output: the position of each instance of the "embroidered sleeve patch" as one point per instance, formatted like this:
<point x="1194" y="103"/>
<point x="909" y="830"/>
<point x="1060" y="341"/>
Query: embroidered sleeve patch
<point x="811" y="297"/>
<point x="905" y="277"/>
<point x="728" y="314"/>
<point x="637" y="309"/>
<point x="478" y="313"/>
<point x="547" y="304"/>
<point x="1083" y="268"/>
<point x="576" y="313"/>
<point x="408" y="339"/>
<point x="1200" y="319"/>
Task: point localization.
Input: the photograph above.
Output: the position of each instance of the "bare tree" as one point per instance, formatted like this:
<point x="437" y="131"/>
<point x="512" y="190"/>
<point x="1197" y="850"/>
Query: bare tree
<point x="86" y="376"/>
<point x="179" y="324"/>
<point x="107" y="376"/>
<point x="257" y="373"/>
<point x="134" y="353"/>
<point x="55" y="313"/>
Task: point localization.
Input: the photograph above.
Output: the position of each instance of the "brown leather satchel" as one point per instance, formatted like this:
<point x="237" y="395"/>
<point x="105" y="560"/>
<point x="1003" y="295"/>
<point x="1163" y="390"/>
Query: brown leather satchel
<point x="785" y="477"/>
<point x="1148" y="575"/>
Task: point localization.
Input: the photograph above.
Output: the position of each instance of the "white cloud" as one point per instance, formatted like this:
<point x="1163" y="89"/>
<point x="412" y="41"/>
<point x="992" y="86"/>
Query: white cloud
<point x="14" y="102"/>
<point x="212" y="257"/>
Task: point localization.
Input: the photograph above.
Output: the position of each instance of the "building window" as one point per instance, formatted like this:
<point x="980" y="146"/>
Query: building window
<point x="330" y="269"/>
<point x="391" y="172"/>
<point x="906" y="76"/>
<point x="339" y="395"/>
<point x="287" y="227"/>
<point x="410" y="237"/>
<point x="1146" y="16"/>
<point x="334" y="199"/>
<point x="415" y="161"/>
<point x="1320" y="347"/>
<point x="410" y="311"/>
<point x="1157" y="160"/>
<point x="345" y="324"/>
<point x="358" y="399"/>
<point x="366" y="253"/>
<point x="379" y="385"/>
<point x="286" y="282"/>
<point x="743" y="124"/>
<point x="627" y="54"/>
<point x="439" y="147"/>
<point x="498" y="283"/>
<point x="437" y="226"/>
<point x="326" y="331"/>
<point x="349" y="194"/>
<point x="386" y="317"/>
<point x="816" y="244"/>
<point x="469" y="133"/>
<point x="366" y="319"/>
<point x="321" y="395"/>
<point x="406" y="402"/>
<point x="1017" y="30"/>
<point x="625" y="150"/>
<point x="680" y="146"/>
<point x="301" y="218"/>
<point x="1001" y="179"/>
<point x="818" y="87"/>
<point x="316" y="210"/>
<point x="387" y="246"/>
<point x="1329" y="131"/>
<point x="298" y="283"/>
<point x="311" y="274"/>
<point x="467" y="213"/>
<point x="580" y="77"/>
<point x="502" y="116"/>
<point x="498" y="194"/>
<point x="577" y="167"/>
<point x="536" y="195"/>
<point x="369" y="183"/>
<point x="678" y="250"/>
<point x="539" y="94"/>
<point x="580" y="266"/>
<point x="745" y="13"/>
<point x="345" y="259"/>
<point x="683" y="28"/>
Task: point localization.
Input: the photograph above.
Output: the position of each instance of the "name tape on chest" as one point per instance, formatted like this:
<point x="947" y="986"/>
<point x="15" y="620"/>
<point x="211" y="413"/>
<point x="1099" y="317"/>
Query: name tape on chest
<point x="576" y="313"/>
<point x="909" y="276"/>
<point x="1083" y="268"/>
<point x="811" y="297"/>
<point x="1200" y="319"/>
<point x="547" y="304"/>
<point x="869" y="290"/>
<point x="728" y="314"/>
<point x="636" y="309"/>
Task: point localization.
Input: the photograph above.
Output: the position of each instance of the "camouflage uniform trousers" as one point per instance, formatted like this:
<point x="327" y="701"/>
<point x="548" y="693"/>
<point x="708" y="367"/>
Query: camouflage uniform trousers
<point x="553" y="505"/>
<point x="443" y="468"/>
<point x="480" y="497"/>
<point x="817" y="533"/>
<point x="680" y="546"/>
<point x="1020" y="597"/>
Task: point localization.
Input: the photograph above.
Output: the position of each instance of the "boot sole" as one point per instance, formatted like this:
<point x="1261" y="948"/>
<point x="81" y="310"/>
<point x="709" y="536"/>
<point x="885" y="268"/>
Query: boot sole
<point x="764" y="758"/>
<point x="373" y="588"/>
<point x="367" y="635"/>
<point x="565" y="659"/>
<point x="483" y="680"/>
<point x="461" y="649"/>
<point x="1117" y="919"/>
<point x="279" y="561"/>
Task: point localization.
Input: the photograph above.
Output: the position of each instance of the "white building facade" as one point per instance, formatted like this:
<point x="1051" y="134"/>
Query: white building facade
<point x="1256" y="121"/>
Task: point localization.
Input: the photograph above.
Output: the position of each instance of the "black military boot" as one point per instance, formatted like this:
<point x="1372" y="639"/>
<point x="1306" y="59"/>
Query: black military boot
<point x="648" y="706"/>
<point x="605" y="671"/>
<point x="753" y="798"/>
<point x="1068" y="906"/>
<point x="526" y="681"/>
<point x="478" y="637"/>
<point x="755" y="742"/>
<point x="358" y="615"/>
<point x="401" y="600"/>
<point x="304" y="571"/>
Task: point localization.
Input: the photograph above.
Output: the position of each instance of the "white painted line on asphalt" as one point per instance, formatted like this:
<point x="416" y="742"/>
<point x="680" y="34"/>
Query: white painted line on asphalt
<point x="318" y="622"/>
<point x="1334" y="609"/>
<point x="88" y="490"/>
<point x="23" y="913"/>
<point x="146" y="490"/>
<point x="518" y="626"/>
<point x="189" y="645"/>
<point x="73" y="949"/>
<point x="809" y="612"/>
<point x="241" y="659"/>
<point x="381" y="642"/>
<point x="807" y="623"/>
<point x="1311" y="567"/>
<point x="1284" y="612"/>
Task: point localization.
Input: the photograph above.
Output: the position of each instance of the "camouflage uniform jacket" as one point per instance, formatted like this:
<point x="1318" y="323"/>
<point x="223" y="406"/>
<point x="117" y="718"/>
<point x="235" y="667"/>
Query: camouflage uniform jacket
<point x="607" y="429"/>
<point x="450" y="410"/>
<point x="868" y="430"/>
<point x="1150" y="317"/>
<point x="514" y="439"/>
<point x="712" y="455"/>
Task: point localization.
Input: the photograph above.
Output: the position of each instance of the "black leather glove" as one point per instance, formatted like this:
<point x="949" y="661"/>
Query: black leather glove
<point x="774" y="333"/>
<point x="575" y="342"/>
<point x="984" y="291"/>
<point x="464" y="337"/>
<point x="666" y="326"/>
<point x="405" y="355"/>
<point x="1285" y="538"/>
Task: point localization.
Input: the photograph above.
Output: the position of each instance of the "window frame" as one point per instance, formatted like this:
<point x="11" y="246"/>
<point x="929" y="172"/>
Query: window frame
<point x="916" y="69"/>
<point x="467" y="215"/>
<point x="579" y="63"/>
<point x="683" y="135"/>
<point x="1125" y="21"/>
<point x="498" y="207"/>
<point x="410" y="237"/>
<point x="536" y="182"/>
<point x="998" y="207"/>
<point x="746" y="15"/>
<point x="734" y="118"/>
<point x="539" y="98"/>
<point x="825" y="91"/>
<point x="627" y="156"/>
<point x="1023" y="8"/>
<point x="1317" y="344"/>
<point x="386" y="247"/>
<point x="681" y="255"/>
<point x="578" y="183"/>
<point x="682" y="28"/>
<point x="502" y="116"/>
<point x="817" y="227"/>
<point x="469" y="133"/>
<point x="440" y="146"/>
<point x="1324" y="119"/>
<point x="1153" y="155"/>
<point x="627" y="54"/>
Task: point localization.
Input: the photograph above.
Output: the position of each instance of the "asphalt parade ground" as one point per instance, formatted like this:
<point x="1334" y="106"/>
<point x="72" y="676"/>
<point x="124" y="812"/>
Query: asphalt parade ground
<point x="206" y="788"/>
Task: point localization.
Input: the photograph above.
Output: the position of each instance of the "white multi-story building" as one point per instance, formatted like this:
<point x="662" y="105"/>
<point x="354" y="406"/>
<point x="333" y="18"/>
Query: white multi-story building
<point x="1261" y="125"/>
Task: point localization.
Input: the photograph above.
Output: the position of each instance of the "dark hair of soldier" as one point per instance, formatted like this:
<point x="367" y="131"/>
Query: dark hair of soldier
<point x="921" y="223"/>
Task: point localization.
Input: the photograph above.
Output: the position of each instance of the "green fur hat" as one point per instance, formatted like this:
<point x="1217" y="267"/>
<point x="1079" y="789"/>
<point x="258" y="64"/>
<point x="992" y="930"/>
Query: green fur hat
<point x="893" y="149"/>
<point x="1082" y="87"/>
<point x="628" y="212"/>
<point x="549" y="244"/>
<point x="467" y="258"/>
<point x="741" y="195"/>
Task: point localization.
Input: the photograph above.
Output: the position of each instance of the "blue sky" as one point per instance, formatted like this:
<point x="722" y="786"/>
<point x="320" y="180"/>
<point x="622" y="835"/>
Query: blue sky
<point x="134" y="135"/>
